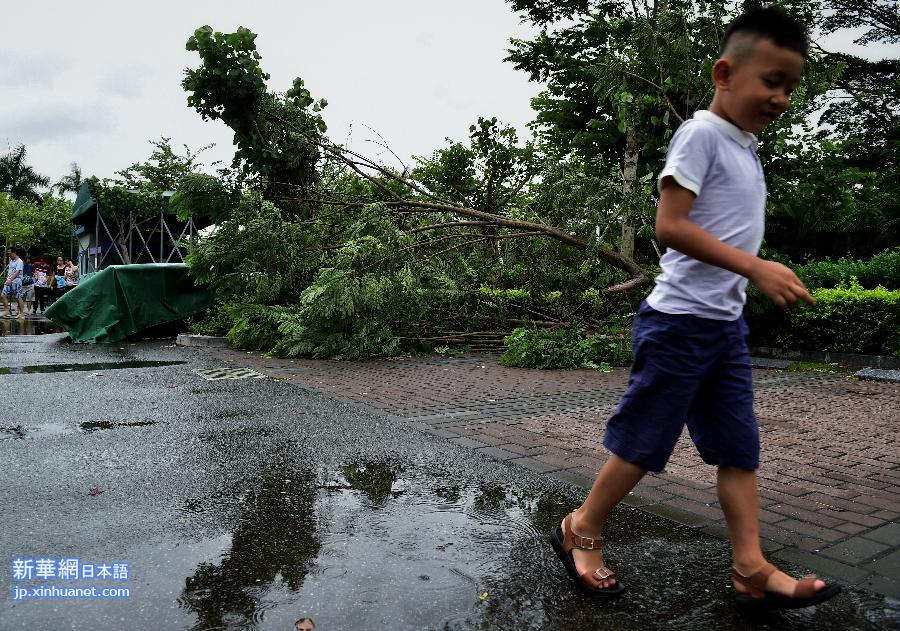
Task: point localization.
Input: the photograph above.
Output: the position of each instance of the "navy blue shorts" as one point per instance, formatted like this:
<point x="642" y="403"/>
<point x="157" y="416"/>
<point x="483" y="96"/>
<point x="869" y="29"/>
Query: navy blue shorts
<point x="690" y="370"/>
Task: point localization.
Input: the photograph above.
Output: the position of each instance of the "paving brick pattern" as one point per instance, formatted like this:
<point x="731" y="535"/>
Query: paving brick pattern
<point x="829" y="476"/>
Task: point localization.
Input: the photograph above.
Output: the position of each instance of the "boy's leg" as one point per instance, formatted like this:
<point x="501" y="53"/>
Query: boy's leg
<point x="670" y="362"/>
<point x="724" y="428"/>
<point x="5" y="304"/>
<point x="739" y="498"/>
<point x="616" y="478"/>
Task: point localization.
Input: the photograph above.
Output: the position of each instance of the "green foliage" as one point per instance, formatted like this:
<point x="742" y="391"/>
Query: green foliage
<point x="258" y="254"/>
<point x="274" y="134"/>
<point x="254" y="326"/>
<point x="118" y="203"/>
<point x="19" y="180"/>
<point x="566" y="348"/>
<point x="825" y="204"/>
<point x="860" y="130"/>
<point x="365" y="303"/>
<point x="163" y="171"/>
<point x="349" y="316"/>
<point x="770" y="326"/>
<point x="72" y="182"/>
<point x="883" y="270"/>
<point x="216" y="321"/>
<point x="847" y="319"/>
<point x="43" y="228"/>
<point x="203" y="196"/>
<point x="488" y="174"/>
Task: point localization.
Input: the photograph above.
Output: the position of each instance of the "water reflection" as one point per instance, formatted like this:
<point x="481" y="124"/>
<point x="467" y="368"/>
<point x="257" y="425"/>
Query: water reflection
<point x="374" y="479"/>
<point x="103" y="424"/>
<point x="275" y="542"/>
<point x="27" y="326"/>
<point x="414" y="548"/>
<point x="12" y="432"/>
<point x="79" y="367"/>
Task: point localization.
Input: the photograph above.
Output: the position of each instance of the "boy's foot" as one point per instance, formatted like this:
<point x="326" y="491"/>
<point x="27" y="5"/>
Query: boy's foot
<point x="583" y="558"/>
<point x="767" y="587"/>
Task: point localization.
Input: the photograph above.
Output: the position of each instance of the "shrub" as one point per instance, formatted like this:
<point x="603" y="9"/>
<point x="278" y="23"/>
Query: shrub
<point x="217" y="321"/>
<point x="770" y="326"/>
<point x="566" y="348"/>
<point x="847" y="320"/>
<point x="883" y="270"/>
<point x="255" y="326"/>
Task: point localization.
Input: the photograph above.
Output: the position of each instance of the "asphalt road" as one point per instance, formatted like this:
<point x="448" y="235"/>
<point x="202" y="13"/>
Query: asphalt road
<point x="250" y="503"/>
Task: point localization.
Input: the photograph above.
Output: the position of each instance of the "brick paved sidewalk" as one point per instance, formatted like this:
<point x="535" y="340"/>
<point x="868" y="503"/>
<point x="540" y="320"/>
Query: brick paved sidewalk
<point x="830" y="470"/>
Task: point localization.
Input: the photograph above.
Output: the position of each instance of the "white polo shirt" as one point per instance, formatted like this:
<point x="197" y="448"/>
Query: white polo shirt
<point x="717" y="162"/>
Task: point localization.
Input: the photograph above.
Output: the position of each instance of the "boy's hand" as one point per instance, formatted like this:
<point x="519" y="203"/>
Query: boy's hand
<point x="779" y="283"/>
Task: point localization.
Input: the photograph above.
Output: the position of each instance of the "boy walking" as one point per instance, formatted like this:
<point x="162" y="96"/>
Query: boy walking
<point x="691" y="361"/>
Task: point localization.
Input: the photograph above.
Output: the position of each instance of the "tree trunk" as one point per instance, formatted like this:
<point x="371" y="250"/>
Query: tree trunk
<point x="629" y="175"/>
<point x="121" y="243"/>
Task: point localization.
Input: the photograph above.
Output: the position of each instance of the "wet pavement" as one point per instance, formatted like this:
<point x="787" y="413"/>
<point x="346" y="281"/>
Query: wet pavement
<point x="248" y="503"/>
<point x="829" y="476"/>
<point x="30" y="325"/>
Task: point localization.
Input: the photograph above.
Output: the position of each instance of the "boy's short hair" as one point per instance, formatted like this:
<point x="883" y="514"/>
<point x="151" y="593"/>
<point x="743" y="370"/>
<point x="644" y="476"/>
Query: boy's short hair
<point x="770" y="22"/>
<point x="14" y="250"/>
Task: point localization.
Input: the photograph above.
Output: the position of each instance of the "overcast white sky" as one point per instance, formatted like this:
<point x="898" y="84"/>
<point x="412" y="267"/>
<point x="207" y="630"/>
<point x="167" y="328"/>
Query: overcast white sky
<point x="92" y="82"/>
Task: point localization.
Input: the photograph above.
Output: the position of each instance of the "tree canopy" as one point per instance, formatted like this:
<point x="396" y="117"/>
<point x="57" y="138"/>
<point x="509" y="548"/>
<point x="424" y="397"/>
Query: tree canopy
<point x="18" y="179"/>
<point x="341" y="254"/>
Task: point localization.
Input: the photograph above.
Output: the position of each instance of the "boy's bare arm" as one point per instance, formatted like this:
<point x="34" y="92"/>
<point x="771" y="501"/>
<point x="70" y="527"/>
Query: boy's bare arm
<point x="675" y="230"/>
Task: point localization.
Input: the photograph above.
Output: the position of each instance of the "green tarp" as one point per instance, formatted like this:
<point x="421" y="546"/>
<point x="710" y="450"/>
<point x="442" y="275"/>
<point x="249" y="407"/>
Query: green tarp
<point x="124" y="299"/>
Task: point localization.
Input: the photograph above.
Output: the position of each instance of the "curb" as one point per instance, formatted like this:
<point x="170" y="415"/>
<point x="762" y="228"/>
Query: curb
<point x="876" y="374"/>
<point x="203" y="341"/>
<point x="826" y="357"/>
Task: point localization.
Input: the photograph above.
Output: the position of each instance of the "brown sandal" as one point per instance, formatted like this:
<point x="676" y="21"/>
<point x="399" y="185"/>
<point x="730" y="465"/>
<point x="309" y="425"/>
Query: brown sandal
<point x="564" y="541"/>
<point x="805" y="593"/>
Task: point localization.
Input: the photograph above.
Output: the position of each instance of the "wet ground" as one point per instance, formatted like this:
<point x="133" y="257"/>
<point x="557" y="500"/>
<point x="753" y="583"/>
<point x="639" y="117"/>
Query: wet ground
<point x="31" y="325"/>
<point x="250" y="503"/>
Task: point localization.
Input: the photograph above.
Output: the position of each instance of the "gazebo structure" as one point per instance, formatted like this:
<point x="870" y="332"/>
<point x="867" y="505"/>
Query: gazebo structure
<point x="158" y="239"/>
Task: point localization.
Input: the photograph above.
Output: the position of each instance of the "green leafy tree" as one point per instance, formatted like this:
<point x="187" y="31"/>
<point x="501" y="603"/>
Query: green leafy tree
<point x="230" y="86"/>
<point x="18" y="179"/>
<point x="134" y="199"/>
<point x="124" y="209"/>
<point x="346" y="252"/>
<point x="164" y="170"/>
<point x="41" y="228"/>
<point x="621" y="76"/>
<point x="859" y="137"/>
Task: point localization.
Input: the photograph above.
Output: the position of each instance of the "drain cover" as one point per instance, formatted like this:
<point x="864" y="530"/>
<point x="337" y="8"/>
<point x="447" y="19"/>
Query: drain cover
<point x="215" y="374"/>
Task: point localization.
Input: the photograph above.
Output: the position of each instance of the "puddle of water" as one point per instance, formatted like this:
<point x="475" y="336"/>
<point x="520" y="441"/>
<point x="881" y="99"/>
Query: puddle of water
<point x="27" y="326"/>
<point x="101" y="424"/>
<point x="377" y="544"/>
<point x="410" y="552"/>
<point x="48" y="368"/>
<point x="45" y="430"/>
<point x="50" y="430"/>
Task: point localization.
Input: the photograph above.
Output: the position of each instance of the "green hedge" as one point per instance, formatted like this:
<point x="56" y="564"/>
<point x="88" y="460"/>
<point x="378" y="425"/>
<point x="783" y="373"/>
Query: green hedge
<point x="882" y="270"/>
<point x="846" y="320"/>
<point x="854" y="314"/>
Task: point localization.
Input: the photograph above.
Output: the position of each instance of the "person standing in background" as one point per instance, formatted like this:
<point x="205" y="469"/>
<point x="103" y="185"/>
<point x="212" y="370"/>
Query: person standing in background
<point x="13" y="284"/>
